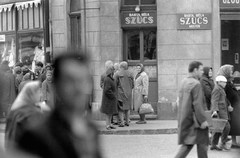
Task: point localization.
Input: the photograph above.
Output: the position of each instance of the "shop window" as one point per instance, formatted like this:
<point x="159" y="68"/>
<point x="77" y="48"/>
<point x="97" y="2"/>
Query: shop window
<point x="31" y="48"/>
<point x="8" y="49"/>
<point x="141" y="45"/>
<point x="139" y="2"/>
<point x="7" y="20"/>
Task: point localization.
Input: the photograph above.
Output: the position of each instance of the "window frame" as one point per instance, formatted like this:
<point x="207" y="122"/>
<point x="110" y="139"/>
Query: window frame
<point x="139" y="3"/>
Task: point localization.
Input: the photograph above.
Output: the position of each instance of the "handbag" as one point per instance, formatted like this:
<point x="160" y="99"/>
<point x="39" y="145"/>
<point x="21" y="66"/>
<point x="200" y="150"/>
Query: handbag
<point x="146" y="108"/>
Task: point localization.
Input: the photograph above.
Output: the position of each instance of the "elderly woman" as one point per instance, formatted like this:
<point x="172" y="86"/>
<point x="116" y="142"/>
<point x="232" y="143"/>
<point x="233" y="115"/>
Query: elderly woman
<point x="109" y="98"/>
<point x="48" y="94"/>
<point x="141" y="85"/>
<point x="234" y="97"/>
<point x="24" y="113"/>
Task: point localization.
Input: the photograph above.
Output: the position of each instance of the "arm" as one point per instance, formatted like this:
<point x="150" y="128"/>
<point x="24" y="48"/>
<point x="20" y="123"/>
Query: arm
<point x="145" y="81"/>
<point x="198" y="103"/>
<point x="214" y="100"/>
<point x="107" y="89"/>
<point x="206" y="88"/>
<point x="102" y="81"/>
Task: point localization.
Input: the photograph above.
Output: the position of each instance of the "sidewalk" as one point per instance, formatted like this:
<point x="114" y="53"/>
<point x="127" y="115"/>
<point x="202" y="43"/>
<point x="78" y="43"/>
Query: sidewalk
<point x="152" y="127"/>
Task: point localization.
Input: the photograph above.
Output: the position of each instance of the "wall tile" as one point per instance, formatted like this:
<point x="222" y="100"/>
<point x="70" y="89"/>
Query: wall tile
<point x="167" y="6"/>
<point x="110" y="24"/>
<point x="110" y="38"/>
<point x="167" y="22"/>
<point x="110" y="53"/>
<point x="109" y="9"/>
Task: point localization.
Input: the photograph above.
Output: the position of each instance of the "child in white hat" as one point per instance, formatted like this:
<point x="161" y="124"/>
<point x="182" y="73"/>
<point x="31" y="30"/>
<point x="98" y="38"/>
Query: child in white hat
<point x="221" y="108"/>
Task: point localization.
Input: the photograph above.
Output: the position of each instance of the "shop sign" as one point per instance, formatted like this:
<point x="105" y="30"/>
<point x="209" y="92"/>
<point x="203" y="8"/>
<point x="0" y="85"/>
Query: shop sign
<point x="229" y="3"/>
<point x="191" y="21"/>
<point x="135" y="19"/>
<point x="2" y="38"/>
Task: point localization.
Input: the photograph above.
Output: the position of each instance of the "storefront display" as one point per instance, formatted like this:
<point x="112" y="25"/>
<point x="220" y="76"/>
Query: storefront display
<point x="26" y="44"/>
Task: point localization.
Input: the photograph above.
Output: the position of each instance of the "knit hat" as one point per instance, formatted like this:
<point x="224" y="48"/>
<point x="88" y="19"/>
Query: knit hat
<point x="221" y="78"/>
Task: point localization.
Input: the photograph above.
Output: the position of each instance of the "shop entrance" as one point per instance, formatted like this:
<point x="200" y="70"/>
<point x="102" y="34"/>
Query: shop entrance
<point x="230" y="41"/>
<point x="140" y="47"/>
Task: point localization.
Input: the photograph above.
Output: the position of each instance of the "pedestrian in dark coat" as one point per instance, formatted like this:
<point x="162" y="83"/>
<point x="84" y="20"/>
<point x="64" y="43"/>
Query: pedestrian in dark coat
<point x="48" y="94"/>
<point x="125" y="83"/>
<point x="109" y="97"/>
<point x="8" y="88"/>
<point x="221" y="108"/>
<point x="234" y="98"/>
<point x="192" y="105"/>
<point x="207" y="84"/>
<point x="108" y="65"/>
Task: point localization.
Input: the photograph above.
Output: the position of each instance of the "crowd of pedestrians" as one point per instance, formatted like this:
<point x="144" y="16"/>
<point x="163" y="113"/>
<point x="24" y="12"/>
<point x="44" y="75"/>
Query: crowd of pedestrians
<point x="122" y="92"/>
<point x="199" y="94"/>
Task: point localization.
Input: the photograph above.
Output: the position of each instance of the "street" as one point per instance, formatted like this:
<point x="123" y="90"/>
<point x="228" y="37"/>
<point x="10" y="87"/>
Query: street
<point x="150" y="146"/>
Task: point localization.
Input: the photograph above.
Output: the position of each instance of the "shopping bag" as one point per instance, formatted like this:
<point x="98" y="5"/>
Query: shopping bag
<point x="146" y="108"/>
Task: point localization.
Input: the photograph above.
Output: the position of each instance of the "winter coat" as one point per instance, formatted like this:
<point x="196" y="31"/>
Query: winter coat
<point x="219" y="102"/>
<point x="8" y="91"/>
<point x="103" y="76"/>
<point x="125" y="84"/>
<point x="48" y="94"/>
<point x="109" y="95"/>
<point x="208" y="85"/>
<point x="55" y="138"/>
<point x="191" y="100"/>
<point x="234" y="98"/>
<point x="141" y="85"/>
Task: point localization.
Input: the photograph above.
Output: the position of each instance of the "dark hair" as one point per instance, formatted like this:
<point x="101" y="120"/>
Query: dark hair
<point x="193" y="65"/>
<point x="65" y="56"/>
<point x="20" y="64"/>
<point x="39" y="63"/>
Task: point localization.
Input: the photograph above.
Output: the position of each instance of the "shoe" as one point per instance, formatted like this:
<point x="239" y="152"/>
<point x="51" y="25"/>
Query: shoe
<point x="141" y="122"/>
<point x="126" y="124"/>
<point x="235" y="146"/>
<point x="215" y="148"/>
<point x="115" y="123"/>
<point x="112" y="127"/>
<point x="224" y="146"/>
<point x="121" y="125"/>
<point x="228" y="139"/>
<point x="108" y="127"/>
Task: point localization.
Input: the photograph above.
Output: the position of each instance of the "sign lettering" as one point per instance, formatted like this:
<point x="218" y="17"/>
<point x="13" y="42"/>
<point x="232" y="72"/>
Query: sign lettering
<point x="139" y="19"/>
<point x="194" y="21"/>
<point x="229" y="3"/>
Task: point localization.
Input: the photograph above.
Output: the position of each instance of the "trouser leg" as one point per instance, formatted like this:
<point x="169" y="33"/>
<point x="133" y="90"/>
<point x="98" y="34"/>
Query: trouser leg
<point x="215" y="138"/>
<point x="225" y="133"/>
<point x="127" y="112"/>
<point x="184" y="151"/>
<point x="120" y="113"/>
<point x="202" y="150"/>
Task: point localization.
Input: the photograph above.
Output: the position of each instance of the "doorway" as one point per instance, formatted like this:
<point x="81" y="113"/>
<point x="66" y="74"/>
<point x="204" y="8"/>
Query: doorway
<point x="140" y="47"/>
<point x="230" y="41"/>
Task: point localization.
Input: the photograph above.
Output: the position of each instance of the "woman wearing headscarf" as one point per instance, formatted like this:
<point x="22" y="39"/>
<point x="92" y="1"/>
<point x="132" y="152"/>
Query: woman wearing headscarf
<point x="24" y="113"/>
<point x="234" y="98"/>
<point x="109" y="98"/>
<point x="141" y="85"/>
<point x="48" y="94"/>
<point x="207" y="84"/>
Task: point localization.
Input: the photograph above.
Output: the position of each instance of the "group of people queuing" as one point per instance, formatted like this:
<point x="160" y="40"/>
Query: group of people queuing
<point x="199" y="93"/>
<point x="122" y="92"/>
<point x="13" y="80"/>
<point x="34" y="129"/>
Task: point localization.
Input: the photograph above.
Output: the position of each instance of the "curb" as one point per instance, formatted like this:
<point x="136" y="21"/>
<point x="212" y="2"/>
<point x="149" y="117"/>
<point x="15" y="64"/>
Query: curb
<point x="139" y="132"/>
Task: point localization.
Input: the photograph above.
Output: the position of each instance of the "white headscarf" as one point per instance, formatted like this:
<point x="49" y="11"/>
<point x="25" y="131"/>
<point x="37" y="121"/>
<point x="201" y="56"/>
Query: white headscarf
<point x="29" y="95"/>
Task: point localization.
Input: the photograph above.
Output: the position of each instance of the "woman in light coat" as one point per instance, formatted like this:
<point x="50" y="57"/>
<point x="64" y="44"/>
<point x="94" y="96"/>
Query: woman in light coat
<point x="141" y="85"/>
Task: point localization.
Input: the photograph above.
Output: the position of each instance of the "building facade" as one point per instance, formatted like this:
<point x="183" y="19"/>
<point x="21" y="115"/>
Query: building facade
<point x="163" y="35"/>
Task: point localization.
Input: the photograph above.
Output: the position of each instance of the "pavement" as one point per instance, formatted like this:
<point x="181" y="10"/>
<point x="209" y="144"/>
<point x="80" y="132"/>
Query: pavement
<point x="151" y="127"/>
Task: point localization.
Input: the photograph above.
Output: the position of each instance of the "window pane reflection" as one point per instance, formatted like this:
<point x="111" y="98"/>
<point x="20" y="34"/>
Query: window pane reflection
<point x="31" y="48"/>
<point x="133" y="45"/>
<point x="148" y="1"/>
<point x="8" y="49"/>
<point x="131" y="2"/>
<point x="150" y="50"/>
